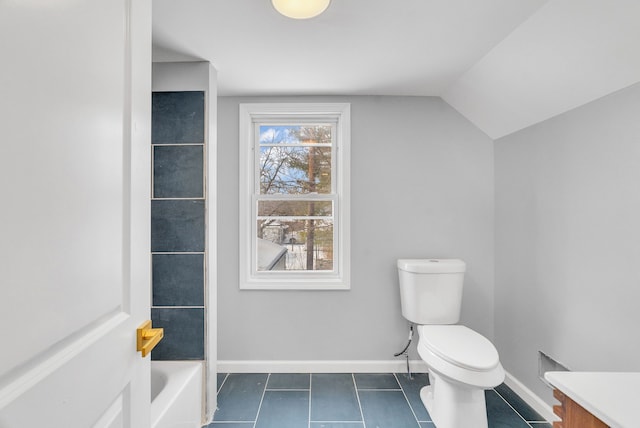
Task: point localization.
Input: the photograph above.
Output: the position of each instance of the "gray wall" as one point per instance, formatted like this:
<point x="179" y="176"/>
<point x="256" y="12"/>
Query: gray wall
<point x="568" y="240"/>
<point x="422" y="186"/>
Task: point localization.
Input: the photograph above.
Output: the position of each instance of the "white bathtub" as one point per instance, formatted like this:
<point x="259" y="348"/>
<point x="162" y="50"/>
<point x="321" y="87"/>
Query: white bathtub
<point x="176" y="394"/>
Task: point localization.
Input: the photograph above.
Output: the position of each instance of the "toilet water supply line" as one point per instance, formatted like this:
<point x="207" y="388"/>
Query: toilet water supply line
<point x="405" y="351"/>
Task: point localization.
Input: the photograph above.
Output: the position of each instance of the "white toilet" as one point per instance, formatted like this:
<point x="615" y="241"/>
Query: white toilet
<point x="462" y="363"/>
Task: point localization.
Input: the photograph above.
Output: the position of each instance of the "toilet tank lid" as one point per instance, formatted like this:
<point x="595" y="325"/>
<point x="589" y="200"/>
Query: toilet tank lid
<point x="432" y="265"/>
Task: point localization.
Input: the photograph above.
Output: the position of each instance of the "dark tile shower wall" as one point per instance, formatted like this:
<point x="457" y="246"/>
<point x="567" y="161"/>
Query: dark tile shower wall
<point x="178" y="224"/>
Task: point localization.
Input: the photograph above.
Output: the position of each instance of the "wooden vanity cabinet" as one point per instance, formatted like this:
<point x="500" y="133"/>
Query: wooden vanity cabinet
<point x="573" y="415"/>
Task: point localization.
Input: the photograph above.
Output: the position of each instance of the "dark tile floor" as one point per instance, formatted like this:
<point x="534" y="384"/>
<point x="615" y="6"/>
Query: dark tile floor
<point x="338" y="400"/>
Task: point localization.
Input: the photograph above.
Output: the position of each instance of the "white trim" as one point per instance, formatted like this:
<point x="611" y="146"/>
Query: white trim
<point x="340" y="113"/>
<point x="210" y="378"/>
<point x="317" y="366"/>
<point x="536" y="403"/>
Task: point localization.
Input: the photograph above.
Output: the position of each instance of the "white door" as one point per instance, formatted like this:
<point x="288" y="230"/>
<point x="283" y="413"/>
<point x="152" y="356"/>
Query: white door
<point x="74" y="212"/>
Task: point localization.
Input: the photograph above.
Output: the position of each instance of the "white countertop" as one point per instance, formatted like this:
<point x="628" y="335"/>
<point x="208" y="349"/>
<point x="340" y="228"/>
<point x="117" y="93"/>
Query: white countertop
<point x="611" y="397"/>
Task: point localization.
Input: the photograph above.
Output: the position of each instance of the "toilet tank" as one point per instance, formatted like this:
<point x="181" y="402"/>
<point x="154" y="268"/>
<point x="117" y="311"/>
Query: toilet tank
<point x="431" y="290"/>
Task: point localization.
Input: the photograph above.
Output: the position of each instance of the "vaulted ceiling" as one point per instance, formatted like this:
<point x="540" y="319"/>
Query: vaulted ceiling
<point x="503" y="64"/>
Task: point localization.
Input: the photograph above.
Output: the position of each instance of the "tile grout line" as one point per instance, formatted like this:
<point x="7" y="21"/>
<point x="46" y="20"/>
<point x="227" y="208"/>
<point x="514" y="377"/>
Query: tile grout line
<point x="355" y="385"/>
<point x="179" y="253"/>
<point x="176" y="144"/>
<point x="178" y="307"/>
<point x="264" y="390"/>
<point x="226" y="376"/>
<point x="510" y="406"/>
<point x="514" y="409"/>
<point x="404" y="394"/>
<point x="195" y="198"/>
<point x="380" y="389"/>
<point x="288" y="389"/>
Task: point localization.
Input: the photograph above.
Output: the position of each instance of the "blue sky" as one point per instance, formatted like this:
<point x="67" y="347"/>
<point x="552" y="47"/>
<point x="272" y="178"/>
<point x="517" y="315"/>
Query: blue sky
<point x="277" y="134"/>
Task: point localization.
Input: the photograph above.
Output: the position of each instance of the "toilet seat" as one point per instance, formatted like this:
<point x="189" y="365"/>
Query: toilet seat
<point x="461" y="355"/>
<point x="460" y="346"/>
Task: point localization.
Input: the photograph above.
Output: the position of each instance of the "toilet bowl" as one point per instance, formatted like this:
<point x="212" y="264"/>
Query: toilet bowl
<point x="462" y="363"/>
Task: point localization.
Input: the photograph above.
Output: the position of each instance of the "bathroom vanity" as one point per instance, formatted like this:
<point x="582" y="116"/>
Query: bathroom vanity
<point x="595" y="399"/>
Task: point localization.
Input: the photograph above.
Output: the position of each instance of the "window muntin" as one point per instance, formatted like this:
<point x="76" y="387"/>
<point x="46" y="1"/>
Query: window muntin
<point x="296" y="233"/>
<point x="294" y="208"/>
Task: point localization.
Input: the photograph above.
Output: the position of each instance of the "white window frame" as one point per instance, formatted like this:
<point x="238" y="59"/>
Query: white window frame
<point x="292" y="113"/>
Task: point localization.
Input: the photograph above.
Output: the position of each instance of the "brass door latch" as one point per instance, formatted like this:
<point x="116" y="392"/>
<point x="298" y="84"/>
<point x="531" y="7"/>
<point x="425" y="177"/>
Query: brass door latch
<point x="147" y="338"/>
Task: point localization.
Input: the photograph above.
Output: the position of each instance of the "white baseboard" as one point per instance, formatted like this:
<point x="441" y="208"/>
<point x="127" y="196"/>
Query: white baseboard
<point x="354" y="366"/>
<point x="537" y="403"/>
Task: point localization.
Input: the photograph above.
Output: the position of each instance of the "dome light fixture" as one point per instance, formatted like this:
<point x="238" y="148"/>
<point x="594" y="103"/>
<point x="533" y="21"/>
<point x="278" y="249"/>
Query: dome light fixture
<point x="300" y="9"/>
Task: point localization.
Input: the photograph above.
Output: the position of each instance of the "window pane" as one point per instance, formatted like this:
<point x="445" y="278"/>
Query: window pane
<point x="295" y="134"/>
<point x="296" y="245"/>
<point x="295" y="170"/>
<point x="295" y="208"/>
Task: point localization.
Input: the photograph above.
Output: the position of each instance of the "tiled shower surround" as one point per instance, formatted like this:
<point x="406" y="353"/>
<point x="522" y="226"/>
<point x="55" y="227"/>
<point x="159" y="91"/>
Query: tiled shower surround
<point x="178" y="224"/>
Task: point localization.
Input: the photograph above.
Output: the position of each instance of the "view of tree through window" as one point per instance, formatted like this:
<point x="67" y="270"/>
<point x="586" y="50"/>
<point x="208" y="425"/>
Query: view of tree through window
<point x="294" y="205"/>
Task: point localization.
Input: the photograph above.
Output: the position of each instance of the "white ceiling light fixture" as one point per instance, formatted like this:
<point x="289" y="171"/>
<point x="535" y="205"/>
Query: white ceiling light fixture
<point x="300" y="9"/>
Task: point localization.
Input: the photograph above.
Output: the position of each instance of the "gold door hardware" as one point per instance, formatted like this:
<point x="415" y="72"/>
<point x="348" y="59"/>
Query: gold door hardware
<point x="147" y="337"/>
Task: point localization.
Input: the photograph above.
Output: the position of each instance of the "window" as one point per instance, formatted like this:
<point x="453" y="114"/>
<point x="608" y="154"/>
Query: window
<point x="294" y="196"/>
